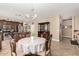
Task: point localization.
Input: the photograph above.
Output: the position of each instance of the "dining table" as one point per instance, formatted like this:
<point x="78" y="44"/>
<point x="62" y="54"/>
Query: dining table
<point x="30" y="45"/>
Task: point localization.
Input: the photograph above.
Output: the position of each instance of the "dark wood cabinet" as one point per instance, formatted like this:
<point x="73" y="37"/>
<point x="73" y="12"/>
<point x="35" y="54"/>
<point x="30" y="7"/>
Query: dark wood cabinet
<point x="9" y="25"/>
<point x="44" y="28"/>
<point x="1" y="37"/>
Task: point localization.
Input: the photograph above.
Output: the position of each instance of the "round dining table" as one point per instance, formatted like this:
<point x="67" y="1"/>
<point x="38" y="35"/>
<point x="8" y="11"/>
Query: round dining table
<point x="29" y="45"/>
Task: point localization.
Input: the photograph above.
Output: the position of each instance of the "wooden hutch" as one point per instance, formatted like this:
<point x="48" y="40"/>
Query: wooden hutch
<point x="44" y="31"/>
<point x="7" y="27"/>
<point x="43" y="28"/>
<point x="1" y="40"/>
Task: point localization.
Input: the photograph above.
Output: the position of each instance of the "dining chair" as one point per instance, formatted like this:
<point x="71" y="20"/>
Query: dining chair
<point x="13" y="47"/>
<point x="47" y="50"/>
<point x="28" y="35"/>
<point x="43" y="34"/>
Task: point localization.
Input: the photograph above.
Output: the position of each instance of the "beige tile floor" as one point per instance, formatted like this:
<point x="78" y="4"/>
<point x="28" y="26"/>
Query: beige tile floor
<point x="63" y="48"/>
<point x="5" y="48"/>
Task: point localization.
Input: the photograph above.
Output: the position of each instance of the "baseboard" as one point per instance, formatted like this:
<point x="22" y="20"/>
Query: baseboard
<point x="67" y="37"/>
<point x="55" y="40"/>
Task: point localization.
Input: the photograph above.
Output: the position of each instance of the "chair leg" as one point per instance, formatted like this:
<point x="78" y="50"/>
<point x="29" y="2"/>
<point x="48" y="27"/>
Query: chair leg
<point x="15" y="54"/>
<point x="11" y="53"/>
<point x="50" y="53"/>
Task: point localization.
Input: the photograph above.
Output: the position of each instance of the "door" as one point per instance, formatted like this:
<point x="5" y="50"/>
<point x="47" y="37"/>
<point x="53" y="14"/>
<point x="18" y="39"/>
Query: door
<point x="67" y="28"/>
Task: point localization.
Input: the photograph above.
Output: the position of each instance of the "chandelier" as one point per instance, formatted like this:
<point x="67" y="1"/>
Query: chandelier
<point x="31" y="16"/>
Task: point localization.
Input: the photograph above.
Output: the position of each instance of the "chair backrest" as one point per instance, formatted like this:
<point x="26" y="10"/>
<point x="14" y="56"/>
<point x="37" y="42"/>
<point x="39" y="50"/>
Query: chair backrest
<point x="44" y="35"/>
<point x="28" y="34"/>
<point x="21" y="35"/>
<point x="48" y="42"/>
<point x="13" y="47"/>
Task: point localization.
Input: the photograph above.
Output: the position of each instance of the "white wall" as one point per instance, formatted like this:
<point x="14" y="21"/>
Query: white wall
<point x="75" y="25"/>
<point x="76" y="22"/>
<point x="54" y="26"/>
<point x="73" y="19"/>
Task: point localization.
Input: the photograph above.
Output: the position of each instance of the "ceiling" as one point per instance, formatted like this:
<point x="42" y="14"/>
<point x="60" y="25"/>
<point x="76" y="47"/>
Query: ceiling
<point x="17" y="11"/>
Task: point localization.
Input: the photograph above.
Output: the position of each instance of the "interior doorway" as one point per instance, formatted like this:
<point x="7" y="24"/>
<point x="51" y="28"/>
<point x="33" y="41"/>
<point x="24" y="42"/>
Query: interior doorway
<point x="67" y="29"/>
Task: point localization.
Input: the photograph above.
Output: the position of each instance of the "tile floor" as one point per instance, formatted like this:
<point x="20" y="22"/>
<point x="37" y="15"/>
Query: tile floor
<point x="64" y="48"/>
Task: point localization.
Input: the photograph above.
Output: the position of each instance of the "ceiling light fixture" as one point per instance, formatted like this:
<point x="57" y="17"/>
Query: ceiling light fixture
<point x="31" y="16"/>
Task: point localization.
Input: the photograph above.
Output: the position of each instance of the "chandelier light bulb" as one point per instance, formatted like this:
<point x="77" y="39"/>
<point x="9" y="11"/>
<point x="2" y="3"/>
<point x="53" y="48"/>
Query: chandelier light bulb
<point x="27" y="15"/>
<point x="35" y="15"/>
<point x="31" y="16"/>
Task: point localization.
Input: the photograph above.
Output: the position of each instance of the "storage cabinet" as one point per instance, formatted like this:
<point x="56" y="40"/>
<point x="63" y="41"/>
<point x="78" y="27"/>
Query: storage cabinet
<point x="6" y="27"/>
<point x="9" y="26"/>
<point x="43" y="28"/>
<point x="1" y="40"/>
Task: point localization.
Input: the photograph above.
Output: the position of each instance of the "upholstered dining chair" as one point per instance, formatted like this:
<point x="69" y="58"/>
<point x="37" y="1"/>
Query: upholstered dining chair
<point x="47" y="50"/>
<point x="13" y="47"/>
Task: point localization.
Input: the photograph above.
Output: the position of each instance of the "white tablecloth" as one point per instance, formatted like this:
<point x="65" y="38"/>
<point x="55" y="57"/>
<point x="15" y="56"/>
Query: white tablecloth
<point x="27" y="45"/>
